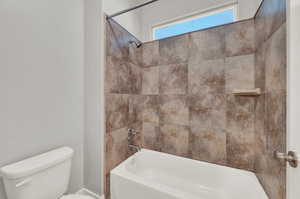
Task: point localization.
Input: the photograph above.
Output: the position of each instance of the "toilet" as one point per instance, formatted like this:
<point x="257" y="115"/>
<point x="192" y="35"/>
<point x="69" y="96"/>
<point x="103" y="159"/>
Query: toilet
<point x="45" y="176"/>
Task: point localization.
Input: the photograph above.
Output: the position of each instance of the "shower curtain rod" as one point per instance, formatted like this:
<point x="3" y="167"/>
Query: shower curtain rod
<point x="130" y="9"/>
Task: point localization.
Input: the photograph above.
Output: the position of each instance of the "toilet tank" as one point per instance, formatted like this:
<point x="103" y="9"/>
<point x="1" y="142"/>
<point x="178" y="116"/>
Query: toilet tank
<point x="45" y="176"/>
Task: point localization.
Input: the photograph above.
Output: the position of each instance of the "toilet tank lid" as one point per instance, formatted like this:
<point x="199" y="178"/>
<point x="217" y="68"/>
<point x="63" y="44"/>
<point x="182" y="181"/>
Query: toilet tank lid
<point x="36" y="164"/>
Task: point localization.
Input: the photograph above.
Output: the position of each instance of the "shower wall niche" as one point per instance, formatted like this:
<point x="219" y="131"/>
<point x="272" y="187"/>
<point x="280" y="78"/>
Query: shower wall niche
<point x="177" y="92"/>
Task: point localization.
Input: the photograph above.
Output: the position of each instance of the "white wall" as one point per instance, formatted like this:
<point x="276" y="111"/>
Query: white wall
<point x="293" y="96"/>
<point x="166" y="10"/>
<point x="248" y="9"/>
<point x="41" y="80"/>
<point x="131" y="20"/>
<point x="141" y="21"/>
<point x="94" y="120"/>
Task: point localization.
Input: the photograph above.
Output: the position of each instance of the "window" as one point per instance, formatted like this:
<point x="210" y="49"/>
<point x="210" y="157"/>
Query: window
<point x="204" y="20"/>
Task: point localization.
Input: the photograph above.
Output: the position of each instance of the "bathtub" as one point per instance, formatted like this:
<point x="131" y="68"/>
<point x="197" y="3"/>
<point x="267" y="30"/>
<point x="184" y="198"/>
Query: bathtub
<point x="154" y="175"/>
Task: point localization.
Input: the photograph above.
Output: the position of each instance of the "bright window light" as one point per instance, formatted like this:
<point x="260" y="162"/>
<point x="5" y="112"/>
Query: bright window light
<point x="190" y="24"/>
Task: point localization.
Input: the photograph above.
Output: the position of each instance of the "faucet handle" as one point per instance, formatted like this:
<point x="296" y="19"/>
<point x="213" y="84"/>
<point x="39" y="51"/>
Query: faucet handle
<point x="291" y="157"/>
<point x="132" y="132"/>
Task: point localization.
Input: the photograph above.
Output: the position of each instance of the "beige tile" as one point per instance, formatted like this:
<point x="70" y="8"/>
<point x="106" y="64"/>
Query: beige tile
<point x="117" y="73"/>
<point x="259" y="124"/>
<point x="151" y="109"/>
<point x="272" y="173"/>
<point x="150" y="56"/>
<point x="240" y="150"/>
<point x="174" y="109"/>
<point x="241" y="143"/>
<point x="240" y="72"/>
<point x="276" y="61"/>
<point x="208" y="111"/>
<point x="208" y="145"/>
<point x="260" y="67"/>
<point x="135" y="79"/>
<point x="135" y="55"/>
<point x="150" y="81"/>
<point x="116" y="148"/>
<point x="276" y="121"/>
<point x="207" y="45"/>
<point x="259" y="25"/>
<point x="116" y="111"/>
<point x="151" y="136"/>
<point x="136" y="107"/>
<point x="174" y="49"/>
<point x="173" y="79"/>
<point x="240" y="114"/>
<point x="175" y="139"/>
<point x="207" y="77"/>
<point x="239" y="38"/>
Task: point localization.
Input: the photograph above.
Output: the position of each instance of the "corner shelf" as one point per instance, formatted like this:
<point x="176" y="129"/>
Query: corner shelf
<point x="247" y="92"/>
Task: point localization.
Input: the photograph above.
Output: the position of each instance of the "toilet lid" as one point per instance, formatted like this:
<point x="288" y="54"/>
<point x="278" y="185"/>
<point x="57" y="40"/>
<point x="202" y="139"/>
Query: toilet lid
<point x="76" y="196"/>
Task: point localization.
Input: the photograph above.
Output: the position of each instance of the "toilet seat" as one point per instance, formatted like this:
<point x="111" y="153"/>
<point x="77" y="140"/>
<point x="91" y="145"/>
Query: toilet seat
<point x="76" y="196"/>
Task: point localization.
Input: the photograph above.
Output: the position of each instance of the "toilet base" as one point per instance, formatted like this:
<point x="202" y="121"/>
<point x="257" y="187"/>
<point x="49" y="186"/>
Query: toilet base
<point x="76" y="196"/>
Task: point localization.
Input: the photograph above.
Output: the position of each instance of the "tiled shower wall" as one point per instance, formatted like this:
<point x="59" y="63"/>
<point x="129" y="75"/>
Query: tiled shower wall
<point x="178" y="93"/>
<point x="123" y="82"/>
<point x="187" y="107"/>
<point x="270" y="75"/>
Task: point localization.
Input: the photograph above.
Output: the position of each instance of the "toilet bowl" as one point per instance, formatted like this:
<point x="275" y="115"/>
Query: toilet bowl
<point x="45" y="176"/>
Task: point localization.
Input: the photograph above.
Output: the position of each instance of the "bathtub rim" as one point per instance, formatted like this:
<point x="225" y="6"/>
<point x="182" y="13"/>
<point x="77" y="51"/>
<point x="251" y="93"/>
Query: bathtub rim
<point x="123" y="172"/>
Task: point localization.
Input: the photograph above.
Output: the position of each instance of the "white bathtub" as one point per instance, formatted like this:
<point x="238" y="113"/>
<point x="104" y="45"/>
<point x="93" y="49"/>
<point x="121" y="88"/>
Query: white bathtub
<point x="153" y="175"/>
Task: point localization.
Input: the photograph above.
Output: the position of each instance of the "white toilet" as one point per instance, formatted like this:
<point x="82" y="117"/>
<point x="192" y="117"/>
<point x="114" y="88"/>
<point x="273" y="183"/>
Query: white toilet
<point x="45" y="176"/>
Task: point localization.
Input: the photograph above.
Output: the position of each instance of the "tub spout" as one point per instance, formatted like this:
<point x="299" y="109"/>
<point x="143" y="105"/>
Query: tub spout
<point x="136" y="148"/>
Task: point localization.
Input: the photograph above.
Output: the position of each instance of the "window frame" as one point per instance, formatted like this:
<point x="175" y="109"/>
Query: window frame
<point x="196" y="15"/>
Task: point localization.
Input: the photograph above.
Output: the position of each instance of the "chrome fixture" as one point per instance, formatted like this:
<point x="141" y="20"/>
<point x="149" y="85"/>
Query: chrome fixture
<point x="130" y="9"/>
<point x="109" y="17"/>
<point x="291" y="158"/>
<point x="136" y="148"/>
<point x="131" y="134"/>
<point x="136" y="43"/>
